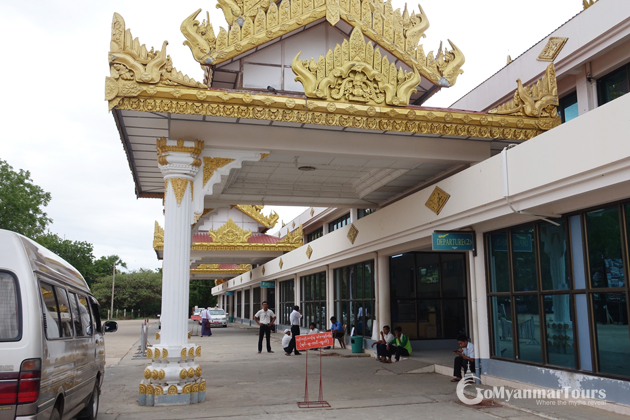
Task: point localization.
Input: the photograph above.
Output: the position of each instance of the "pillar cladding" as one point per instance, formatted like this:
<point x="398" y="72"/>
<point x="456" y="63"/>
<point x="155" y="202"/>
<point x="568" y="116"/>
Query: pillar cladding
<point x="173" y="377"/>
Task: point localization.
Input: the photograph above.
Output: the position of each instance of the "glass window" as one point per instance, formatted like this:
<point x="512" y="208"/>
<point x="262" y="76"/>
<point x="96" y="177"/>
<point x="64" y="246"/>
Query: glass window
<point x="524" y="259"/>
<point x="287" y="301"/>
<point x="528" y="331"/>
<point x="559" y="330"/>
<point x="10" y="326"/>
<point x="428" y="292"/>
<point x="256" y="301"/>
<point x="354" y="308"/>
<point x="318" y="233"/>
<point x="74" y="307"/>
<point x="555" y="268"/>
<point x="339" y="223"/>
<point x="499" y="266"/>
<point x="604" y="248"/>
<point x="613" y="340"/>
<point x="239" y="304"/>
<point x="84" y="313"/>
<point x="51" y="316"/>
<point x="613" y="85"/>
<point x="502" y="326"/>
<point x="569" y="107"/>
<point x="313" y="299"/>
<point x="65" y="316"/>
<point x="247" y="301"/>
<point x="361" y="213"/>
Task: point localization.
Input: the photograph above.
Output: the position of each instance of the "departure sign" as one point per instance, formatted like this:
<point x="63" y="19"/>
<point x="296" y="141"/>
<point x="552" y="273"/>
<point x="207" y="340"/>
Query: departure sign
<point x="453" y="241"/>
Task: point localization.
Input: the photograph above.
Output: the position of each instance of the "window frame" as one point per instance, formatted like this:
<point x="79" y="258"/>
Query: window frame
<point x="286" y="299"/>
<point x="361" y="213"/>
<point x="313" y="302"/>
<point x="316" y="234"/>
<point x="602" y="79"/>
<point x="338" y="300"/>
<point x="18" y="296"/>
<point x="563" y="105"/>
<point x="588" y="291"/>
<point x="339" y="222"/>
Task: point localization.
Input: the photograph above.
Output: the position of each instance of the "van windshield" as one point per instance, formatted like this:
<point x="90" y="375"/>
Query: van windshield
<point x="10" y="328"/>
<point x="217" y="312"/>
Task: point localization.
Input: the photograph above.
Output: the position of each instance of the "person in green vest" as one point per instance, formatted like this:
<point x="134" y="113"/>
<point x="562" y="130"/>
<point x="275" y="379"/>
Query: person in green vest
<point x="403" y="345"/>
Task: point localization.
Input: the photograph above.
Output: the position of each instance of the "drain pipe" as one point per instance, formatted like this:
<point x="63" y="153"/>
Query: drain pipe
<point x="506" y="191"/>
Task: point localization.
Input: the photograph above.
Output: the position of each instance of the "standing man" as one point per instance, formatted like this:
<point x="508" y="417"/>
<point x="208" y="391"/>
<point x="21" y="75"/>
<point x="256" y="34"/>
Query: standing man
<point x="295" y="318"/>
<point x="265" y="319"/>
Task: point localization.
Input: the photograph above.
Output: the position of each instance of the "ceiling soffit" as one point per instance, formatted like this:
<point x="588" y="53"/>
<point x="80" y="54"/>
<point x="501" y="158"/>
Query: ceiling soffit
<point x="252" y="24"/>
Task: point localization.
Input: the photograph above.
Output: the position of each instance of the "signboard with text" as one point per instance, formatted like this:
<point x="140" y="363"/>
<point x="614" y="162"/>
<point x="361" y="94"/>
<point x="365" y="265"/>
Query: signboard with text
<point x="229" y="293"/>
<point x="313" y="341"/>
<point x="267" y="284"/>
<point x="453" y="241"/>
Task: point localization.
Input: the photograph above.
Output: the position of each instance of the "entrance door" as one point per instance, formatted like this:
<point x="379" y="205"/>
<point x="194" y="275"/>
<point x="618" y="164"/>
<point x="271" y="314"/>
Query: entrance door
<point x="428" y="294"/>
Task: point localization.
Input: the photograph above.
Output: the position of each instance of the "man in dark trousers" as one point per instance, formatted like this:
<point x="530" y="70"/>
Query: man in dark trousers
<point x="295" y="318"/>
<point x="265" y="319"/>
<point x="465" y="358"/>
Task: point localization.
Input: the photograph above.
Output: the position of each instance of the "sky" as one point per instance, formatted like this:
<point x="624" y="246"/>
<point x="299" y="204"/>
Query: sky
<point x="55" y="119"/>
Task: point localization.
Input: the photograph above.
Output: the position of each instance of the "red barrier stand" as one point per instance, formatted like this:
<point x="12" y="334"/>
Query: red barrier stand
<point x="314" y="341"/>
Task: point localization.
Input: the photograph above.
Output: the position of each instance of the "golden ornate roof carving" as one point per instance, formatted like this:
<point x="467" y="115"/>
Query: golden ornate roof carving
<point x="540" y="100"/>
<point x="252" y="23"/>
<point x="255" y="212"/>
<point x="356" y="72"/>
<point x="133" y="68"/>
<point x="214" y="269"/>
<point x="552" y="48"/>
<point x="230" y="233"/>
<point x="231" y="237"/>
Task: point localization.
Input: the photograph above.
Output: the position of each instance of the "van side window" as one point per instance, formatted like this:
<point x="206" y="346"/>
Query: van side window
<point x="10" y="328"/>
<point x="78" y="329"/>
<point x="64" y="312"/>
<point x="51" y="316"/>
<point x="84" y="313"/>
<point x="96" y="312"/>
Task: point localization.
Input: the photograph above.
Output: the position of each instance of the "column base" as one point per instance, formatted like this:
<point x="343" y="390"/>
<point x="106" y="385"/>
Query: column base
<point x="172" y="380"/>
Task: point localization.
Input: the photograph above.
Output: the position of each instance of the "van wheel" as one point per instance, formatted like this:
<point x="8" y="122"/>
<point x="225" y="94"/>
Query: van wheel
<point x="55" y="414"/>
<point x="91" y="410"/>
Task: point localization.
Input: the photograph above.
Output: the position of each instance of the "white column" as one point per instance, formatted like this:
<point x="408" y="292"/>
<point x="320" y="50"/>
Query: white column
<point x="584" y="90"/>
<point x="173" y="377"/>
<point x="383" y="297"/>
<point x="242" y="314"/>
<point x="251" y="303"/>
<point x="330" y="296"/>
<point x="296" y="293"/>
<point x="354" y="216"/>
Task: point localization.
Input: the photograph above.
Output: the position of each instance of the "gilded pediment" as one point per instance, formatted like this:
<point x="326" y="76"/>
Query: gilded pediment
<point x="252" y="24"/>
<point x="356" y="72"/>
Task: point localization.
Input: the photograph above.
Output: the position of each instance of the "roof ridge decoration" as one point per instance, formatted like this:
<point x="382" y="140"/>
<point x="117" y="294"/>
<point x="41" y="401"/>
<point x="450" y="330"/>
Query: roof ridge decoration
<point x="230" y="233"/>
<point x="214" y="269"/>
<point x="158" y="236"/>
<point x="255" y="212"/>
<point x="251" y="24"/>
<point x="355" y="72"/>
<point x="134" y="69"/>
<point x="539" y="100"/>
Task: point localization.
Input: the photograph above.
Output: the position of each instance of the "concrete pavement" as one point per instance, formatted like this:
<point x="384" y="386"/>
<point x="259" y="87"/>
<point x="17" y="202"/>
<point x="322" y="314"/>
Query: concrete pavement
<point x="242" y="384"/>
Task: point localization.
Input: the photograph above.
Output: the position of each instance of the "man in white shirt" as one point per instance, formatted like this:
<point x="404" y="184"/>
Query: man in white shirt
<point x="312" y="329"/>
<point x="265" y="319"/>
<point x="205" y="317"/>
<point x="465" y="356"/>
<point x="384" y="345"/>
<point x="295" y="318"/>
<point x="288" y="342"/>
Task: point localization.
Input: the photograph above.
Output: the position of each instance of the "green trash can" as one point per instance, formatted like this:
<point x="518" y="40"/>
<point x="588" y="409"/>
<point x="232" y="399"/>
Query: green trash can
<point x="231" y="319"/>
<point x="357" y="343"/>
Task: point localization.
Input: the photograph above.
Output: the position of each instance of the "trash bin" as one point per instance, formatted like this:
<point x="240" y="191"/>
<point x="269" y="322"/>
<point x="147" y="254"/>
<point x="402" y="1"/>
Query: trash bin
<point x="357" y="343"/>
<point x="231" y="319"/>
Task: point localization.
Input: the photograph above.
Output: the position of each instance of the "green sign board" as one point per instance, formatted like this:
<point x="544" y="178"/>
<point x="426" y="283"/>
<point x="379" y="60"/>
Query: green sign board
<point x="453" y="241"/>
<point x="267" y="284"/>
<point x="229" y="293"/>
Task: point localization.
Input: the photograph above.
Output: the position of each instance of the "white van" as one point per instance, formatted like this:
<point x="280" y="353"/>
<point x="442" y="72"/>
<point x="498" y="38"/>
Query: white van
<point x="52" y="352"/>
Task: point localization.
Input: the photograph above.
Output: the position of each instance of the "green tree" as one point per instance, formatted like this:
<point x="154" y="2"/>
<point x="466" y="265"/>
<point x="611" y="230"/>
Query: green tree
<point x="77" y="253"/>
<point x="201" y="293"/>
<point x="104" y="265"/>
<point x="21" y="202"/>
<point x="140" y="290"/>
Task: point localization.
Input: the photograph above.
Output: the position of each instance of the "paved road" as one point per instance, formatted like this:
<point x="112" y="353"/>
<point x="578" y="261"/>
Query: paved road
<point x="242" y="384"/>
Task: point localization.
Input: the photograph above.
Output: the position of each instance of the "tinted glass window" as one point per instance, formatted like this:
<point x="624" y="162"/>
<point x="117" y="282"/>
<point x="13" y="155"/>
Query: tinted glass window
<point x="78" y="328"/>
<point x="9" y="308"/>
<point x="51" y="316"/>
<point x="84" y="313"/>
<point x="65" y="318"/>
<point x="569" y="107"/>
<point x="604" y="248"/>
<point x="613" y="85"/>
